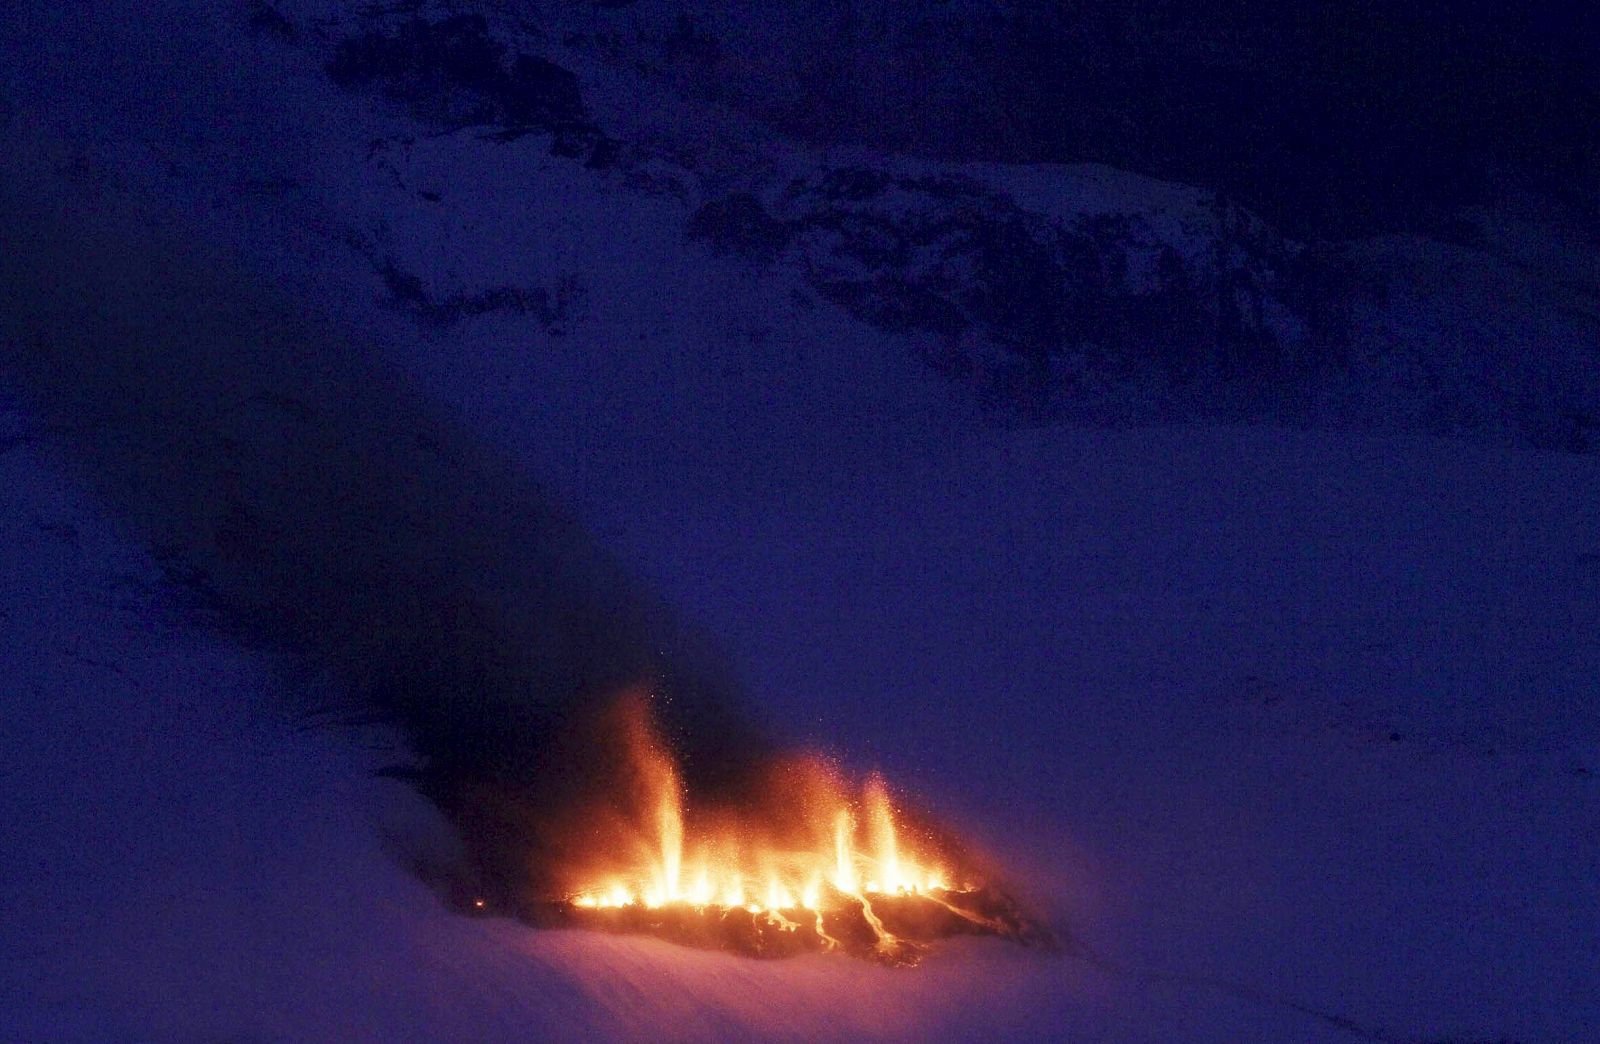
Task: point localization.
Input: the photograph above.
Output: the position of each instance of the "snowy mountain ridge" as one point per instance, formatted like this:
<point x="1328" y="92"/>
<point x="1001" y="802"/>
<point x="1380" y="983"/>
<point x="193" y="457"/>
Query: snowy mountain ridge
<point x="1145" y="301"/>
<point x="1050" y="293"/>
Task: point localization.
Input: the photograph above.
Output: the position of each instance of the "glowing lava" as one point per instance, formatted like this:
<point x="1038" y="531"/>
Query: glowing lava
<point x="796" y="860"/>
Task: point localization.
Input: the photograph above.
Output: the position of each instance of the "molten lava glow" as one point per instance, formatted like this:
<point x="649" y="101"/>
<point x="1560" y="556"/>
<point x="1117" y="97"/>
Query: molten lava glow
<point x="811" y="841"/>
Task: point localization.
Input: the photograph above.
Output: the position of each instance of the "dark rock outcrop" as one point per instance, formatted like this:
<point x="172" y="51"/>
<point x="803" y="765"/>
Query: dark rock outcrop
<point x="1032" y="310"/>
<point x="454" y="73"/>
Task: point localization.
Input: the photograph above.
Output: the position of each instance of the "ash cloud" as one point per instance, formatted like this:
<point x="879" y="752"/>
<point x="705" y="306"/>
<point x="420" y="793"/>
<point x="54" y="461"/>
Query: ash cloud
<point x="291" y="480"/>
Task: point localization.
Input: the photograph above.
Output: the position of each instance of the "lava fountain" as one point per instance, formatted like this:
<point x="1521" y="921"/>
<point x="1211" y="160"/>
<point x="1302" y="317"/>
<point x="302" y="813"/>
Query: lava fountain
<point x="806" y="860"/>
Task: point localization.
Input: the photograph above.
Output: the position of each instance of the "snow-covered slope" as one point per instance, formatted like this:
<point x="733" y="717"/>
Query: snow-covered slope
<point x="1292" y="733"/>
<point x="1282" y="778"/>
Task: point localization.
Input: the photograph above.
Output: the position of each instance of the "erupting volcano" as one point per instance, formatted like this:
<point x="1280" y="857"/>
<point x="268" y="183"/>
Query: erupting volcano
<point x="804" y="860"/>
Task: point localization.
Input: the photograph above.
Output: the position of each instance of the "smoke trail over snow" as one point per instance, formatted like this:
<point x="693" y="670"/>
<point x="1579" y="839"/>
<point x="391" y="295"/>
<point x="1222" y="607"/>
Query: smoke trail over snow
<point x="279" y="469"/>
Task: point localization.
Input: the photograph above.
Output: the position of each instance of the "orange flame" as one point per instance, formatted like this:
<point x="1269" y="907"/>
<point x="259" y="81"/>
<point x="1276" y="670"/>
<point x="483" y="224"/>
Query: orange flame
<point x="813" y="835"/>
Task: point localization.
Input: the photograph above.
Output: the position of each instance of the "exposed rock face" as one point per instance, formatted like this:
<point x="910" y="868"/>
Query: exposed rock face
<point x="1049" y="293"/>
<point x="452" y="72"/>
<point x="1033" y="309"/>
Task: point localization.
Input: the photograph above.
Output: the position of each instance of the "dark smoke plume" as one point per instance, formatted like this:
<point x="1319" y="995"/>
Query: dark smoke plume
<point x="323" y="508"/>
